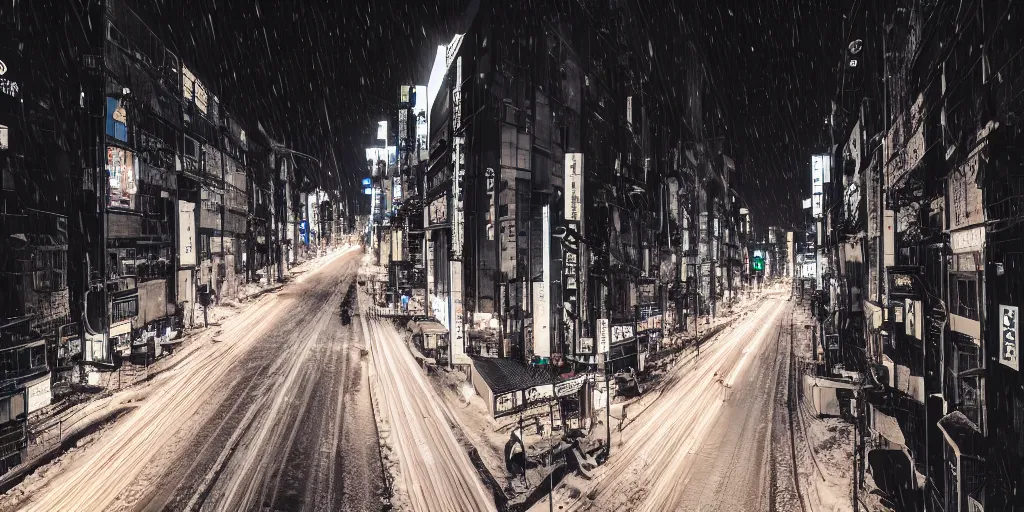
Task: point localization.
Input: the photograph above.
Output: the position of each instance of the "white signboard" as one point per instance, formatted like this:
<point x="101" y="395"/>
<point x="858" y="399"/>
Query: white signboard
<point x="540" y="393"/>
<point x="913" y="316"/>
<point x="622" y="333"/>
<point x="604" y="336"/>
<point x="458" y="216"/>
<point x="967" y="240"/>
<point x="439" y="308"/>
<point x="569" y="387"/>
<point x="186" y="233"/>
<point x="39" y="395"/>
<point x="819" y="169"/>
<point x="541" y="320"/>
<point x="457" y="329"/>
<point x="1008" y="336"/>
<point x="586" y="346"/>
<point x="506" y="402"/>
<point x="574" y="186"/>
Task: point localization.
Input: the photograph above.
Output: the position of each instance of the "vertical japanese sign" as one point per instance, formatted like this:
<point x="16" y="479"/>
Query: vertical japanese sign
<point x="541" y="320"/>
<point x="458" y="205"/>
<point x="820" y="168"/>
<point x="492" y="219"/>
<point x="571" y="251"/>
<point x="541" y="300"/>
<point x="603" y="336"/>
<point x="1008" y="333"/>
<point x="186" y="233"/>
<point x="457" y="329"/>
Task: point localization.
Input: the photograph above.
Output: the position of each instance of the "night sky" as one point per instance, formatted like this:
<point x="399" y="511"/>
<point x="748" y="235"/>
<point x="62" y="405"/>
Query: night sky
<point x="322" y="73"/>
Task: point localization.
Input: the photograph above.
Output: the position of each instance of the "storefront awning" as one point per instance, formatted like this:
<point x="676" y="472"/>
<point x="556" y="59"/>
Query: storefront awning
<point x="961" y="435"/>
<point x="887" y="426"/>
<point x="426" y="327"/>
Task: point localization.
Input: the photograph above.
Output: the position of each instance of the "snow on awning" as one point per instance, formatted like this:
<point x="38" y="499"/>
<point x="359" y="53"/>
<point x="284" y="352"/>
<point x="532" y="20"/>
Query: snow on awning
<point x="427" y="327"/>
<point x="887" y="426"/>
<point x="961" y="434"/>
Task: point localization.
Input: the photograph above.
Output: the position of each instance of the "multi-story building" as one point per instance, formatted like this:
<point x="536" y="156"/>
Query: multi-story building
<point x="922" y="286"/>
<point x="40" y="283"/>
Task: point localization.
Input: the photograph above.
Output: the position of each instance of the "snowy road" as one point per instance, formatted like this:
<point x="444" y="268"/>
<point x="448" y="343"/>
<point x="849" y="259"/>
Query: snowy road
<point x="272" y="413"/>
<point x="434" y="471"/>
<point x="706" y="443"/>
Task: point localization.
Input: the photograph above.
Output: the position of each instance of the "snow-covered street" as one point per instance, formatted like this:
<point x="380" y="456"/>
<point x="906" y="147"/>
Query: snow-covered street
<point x="705" y="444"/>
<point x="433" y="470"/>
<point x="269" y="411"/>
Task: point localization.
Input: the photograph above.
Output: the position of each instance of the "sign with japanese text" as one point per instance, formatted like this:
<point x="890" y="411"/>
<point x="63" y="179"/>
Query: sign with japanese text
<point x="186" y="233"/>
<point x="507" y="403"/>
<point x="569" y="387"/>
<point x="458" y="205"/>
<point x="965" y="194"/>
<point x="604" y="336"/>
<point x="574" y="186"/>
<point x="541" y="320"/>
<point x="570" y="283"/>
<point x="1008" y="336"/>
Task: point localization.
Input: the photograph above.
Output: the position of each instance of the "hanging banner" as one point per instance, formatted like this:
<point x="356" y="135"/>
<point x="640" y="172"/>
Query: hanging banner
<point x="1008" y="335"/>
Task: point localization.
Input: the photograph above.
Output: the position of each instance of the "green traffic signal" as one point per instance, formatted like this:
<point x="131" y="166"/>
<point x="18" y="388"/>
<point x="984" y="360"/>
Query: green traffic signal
<point x="758" y="264"/>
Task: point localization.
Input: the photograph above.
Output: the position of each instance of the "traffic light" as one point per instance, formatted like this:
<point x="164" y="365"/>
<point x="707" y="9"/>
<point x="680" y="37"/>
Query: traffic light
<point x="758" y="264"/>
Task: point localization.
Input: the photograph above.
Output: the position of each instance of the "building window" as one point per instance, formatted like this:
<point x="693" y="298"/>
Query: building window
<point x="123" y="310"/>
<point x="50" y="270"/>
<point x="963" y="296"/>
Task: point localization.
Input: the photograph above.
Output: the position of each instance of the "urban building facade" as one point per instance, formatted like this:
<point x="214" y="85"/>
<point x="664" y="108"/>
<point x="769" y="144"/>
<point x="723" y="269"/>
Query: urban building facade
<point x="131" y="198"/>
<point x="916" y="220"/>
<point x="567" y="222"/>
